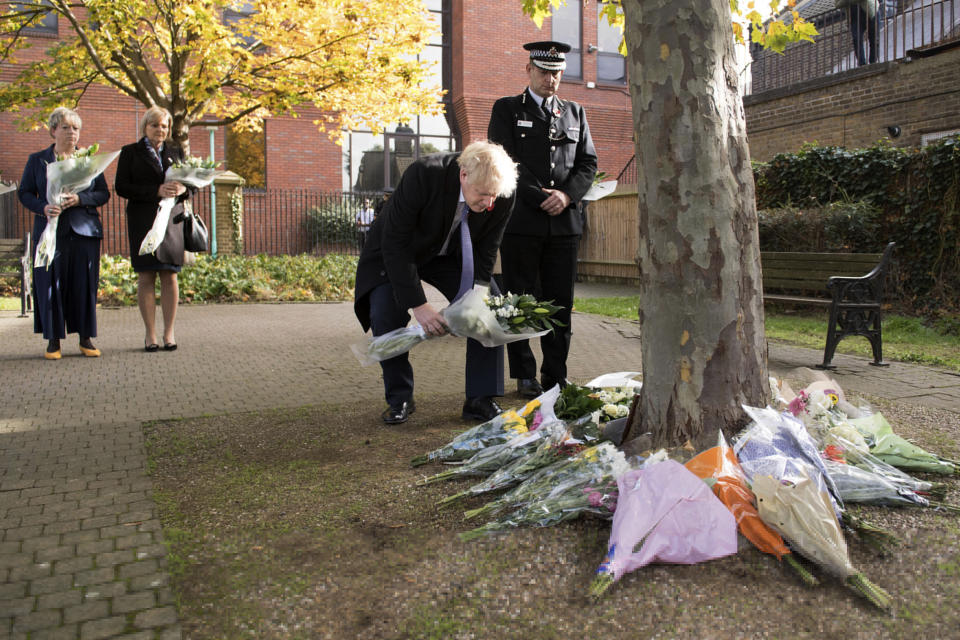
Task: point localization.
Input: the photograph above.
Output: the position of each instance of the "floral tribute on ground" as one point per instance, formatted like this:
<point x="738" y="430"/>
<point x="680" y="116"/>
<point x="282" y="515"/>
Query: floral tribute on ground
<point x="783" y="482"/>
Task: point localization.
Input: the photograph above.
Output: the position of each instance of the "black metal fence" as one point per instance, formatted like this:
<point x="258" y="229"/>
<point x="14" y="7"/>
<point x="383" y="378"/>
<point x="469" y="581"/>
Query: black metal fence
<point x="16" y="220"/>
<point x="900" y="30"/>
<point x="275" y="221"/>
<point x="292" y="221"/>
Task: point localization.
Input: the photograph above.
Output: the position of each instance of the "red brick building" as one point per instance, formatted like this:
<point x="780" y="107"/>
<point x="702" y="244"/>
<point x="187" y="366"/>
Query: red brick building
<point x="482" y="60"/>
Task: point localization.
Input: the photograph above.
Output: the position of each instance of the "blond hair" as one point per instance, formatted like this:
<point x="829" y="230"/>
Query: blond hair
<point x="488" y="165"/>
<point x="60" y="115"/>
<point x="155" y="114"/>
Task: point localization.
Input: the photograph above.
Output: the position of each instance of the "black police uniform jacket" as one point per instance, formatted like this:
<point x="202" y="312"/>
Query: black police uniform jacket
<point x="554" y="154"/>
<point x="411" y="229"/>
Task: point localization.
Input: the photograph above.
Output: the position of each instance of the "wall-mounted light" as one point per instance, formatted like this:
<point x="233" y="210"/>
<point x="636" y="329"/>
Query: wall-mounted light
<point x="894" y="131"/>
<point x="591" y="48"/>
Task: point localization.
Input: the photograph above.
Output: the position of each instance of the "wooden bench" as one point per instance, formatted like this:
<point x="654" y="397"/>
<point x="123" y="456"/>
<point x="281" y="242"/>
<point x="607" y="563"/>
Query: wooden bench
<point x="852" y="284"/>
<point x="15" y="262"/>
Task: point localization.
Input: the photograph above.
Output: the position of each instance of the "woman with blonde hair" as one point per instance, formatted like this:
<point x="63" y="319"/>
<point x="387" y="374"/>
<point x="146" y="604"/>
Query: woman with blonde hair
<point x="140" y="179"/>
<point x="65" y="292"/>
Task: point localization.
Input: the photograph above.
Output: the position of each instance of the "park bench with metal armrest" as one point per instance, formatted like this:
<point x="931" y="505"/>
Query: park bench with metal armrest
<point x="15" y="262"/>
<point x="837" y="280"/>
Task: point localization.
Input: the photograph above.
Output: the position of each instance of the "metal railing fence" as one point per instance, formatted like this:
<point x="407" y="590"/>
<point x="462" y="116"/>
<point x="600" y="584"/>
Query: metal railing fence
<point x="893" y="34"/>
<point x="16" y="220"/>
<point x="295" y="221"/>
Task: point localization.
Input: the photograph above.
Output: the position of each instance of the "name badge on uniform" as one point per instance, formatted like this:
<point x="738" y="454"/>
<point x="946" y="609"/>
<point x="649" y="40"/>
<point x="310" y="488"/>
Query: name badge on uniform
<point x="574" y="129"/>
<point x="525" y="123"/>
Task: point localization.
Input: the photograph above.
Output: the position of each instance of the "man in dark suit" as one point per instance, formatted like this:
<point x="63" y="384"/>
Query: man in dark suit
<point x="550" y="140"/>
<point x="417" y="238"/>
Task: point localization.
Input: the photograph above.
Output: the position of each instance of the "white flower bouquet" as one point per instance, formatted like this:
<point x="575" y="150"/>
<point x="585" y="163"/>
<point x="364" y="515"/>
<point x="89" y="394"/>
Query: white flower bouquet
<point x="192" y="172"/>
<point x="497" y="320"/>
<point x="68" y="175"/>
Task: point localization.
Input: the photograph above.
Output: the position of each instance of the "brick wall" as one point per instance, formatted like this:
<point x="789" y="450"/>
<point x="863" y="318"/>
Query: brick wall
<point x="489" y="62"/>
<point x="854" y="108"/>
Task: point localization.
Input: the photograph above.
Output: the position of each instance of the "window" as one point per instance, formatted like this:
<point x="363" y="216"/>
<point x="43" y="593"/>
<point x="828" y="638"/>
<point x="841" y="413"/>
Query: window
<point x="45" y="24"/>
<point x="375" y="163"/>
<point x="565" y="27"/>
<point x="929" y="138"/>
<point x="611" y="66"/>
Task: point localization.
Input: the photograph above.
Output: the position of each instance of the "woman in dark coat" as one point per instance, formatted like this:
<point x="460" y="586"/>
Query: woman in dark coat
<point x="65" y="294"/>
<point x="140" y="179"/>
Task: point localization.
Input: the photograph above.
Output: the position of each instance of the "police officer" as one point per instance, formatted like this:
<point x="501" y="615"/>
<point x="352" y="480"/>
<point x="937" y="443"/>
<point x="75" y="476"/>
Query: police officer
<point x="550" y="140"/>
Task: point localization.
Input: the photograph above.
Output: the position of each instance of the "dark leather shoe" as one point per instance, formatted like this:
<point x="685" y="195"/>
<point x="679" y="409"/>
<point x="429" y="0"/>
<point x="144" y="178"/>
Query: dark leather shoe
<point x="528" y="387"/>
<point x="483" y="408"/>
<point x="400" y="413"/>
<point x="548" y="383"/>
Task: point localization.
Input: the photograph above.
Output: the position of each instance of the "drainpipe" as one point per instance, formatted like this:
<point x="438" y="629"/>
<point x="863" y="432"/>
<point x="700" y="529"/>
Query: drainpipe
<point x="213" y="198"/>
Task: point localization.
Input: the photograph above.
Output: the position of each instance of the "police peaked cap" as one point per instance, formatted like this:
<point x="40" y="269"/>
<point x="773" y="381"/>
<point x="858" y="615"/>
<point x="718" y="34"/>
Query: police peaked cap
<point x="548" y="54"/>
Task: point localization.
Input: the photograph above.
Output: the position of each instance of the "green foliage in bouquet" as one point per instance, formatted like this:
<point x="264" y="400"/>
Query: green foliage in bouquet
<point x="193" y="162"/>
<point x="519" y="313"/>
<point x="575" y="402"/>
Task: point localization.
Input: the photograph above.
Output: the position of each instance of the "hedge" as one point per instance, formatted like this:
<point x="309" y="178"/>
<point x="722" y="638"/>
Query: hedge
<point x="834" y="199"/>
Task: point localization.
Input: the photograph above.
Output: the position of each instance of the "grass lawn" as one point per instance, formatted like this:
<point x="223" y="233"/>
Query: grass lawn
<point x="905" y="339"/>
<point x="9" y="304"/>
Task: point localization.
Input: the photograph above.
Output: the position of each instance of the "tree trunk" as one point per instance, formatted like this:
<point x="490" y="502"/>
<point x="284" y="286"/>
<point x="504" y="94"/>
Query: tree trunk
<point x="701" y="305"/>
<point x="181" y="132"/>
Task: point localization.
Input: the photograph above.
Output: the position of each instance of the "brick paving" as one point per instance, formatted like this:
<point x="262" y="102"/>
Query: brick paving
<point x="81" y="550"/>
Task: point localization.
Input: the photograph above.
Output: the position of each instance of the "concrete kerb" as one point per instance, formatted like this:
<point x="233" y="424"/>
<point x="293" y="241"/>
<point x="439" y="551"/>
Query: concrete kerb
<point x="81" y="550"/>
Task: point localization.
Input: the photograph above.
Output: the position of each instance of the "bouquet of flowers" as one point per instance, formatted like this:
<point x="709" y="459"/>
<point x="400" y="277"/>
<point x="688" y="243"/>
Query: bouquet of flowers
<point x="550" y="487"/>
<point x="499" y="320"/>
<point x="492" y="321"/>
<point x="803" y="514"/>
<point x="389" y="345"/>
<point x="192" y="172"/>
<point x="552" y="446"/>
<point x="569" y="501"/>
<point x="495" y="458"/>
<point x="664" y="514"/>
<point x="502" y="428"/>
<point x="897" y="451"/>
<point x="70" y="174"/>
<point x="719" y="466"/>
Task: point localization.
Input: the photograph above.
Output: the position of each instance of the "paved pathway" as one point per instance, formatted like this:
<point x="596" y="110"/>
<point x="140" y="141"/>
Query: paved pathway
<point x="81" y="554"/>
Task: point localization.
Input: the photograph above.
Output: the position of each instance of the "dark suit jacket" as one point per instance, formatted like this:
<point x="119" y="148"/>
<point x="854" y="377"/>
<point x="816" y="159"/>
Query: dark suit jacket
<point x="83" y="219"/>
<point x="138" y="178"/>
<point x="412" y="227"/>
<point x="556" y="155"/>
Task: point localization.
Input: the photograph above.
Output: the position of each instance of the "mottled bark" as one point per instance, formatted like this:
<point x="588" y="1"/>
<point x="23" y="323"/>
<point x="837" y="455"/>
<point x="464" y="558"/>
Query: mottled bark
<point x="701" y="306"/>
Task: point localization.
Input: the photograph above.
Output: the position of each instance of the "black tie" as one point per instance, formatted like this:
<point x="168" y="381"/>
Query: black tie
<point x="546" y="109"/>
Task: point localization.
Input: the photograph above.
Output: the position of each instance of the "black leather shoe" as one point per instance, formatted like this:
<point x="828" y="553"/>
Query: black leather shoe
<point x="483" y="408"/>
<point x="528" y="387"/>
<point x="400" y="413"/>
<point x="548" y="383"/>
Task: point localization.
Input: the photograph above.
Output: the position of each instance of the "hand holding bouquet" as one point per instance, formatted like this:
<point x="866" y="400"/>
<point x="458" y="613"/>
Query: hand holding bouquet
<point x="498" y="320"/>
<point x="192" y="172"/>
<point x="69" y="174"/>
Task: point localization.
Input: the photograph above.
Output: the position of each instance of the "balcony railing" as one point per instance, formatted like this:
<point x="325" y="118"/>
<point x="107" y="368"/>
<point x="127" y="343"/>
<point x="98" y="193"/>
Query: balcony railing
<point x="900" y="30"/>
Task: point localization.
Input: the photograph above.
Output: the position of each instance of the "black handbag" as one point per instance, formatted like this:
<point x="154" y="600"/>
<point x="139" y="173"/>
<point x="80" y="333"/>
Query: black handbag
<point x="195" y="236"/>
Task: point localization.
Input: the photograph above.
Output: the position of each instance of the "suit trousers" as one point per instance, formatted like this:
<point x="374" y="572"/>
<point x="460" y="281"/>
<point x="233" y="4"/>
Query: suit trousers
<point x="484" y="366"/>
<point x="65" y="295"/>
<point x="545" y="266"/>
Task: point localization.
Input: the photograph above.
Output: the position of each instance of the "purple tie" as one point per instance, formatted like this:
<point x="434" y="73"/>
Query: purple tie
<point x="466" y="250"/>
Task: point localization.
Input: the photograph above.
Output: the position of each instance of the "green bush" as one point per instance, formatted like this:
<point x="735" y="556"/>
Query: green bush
<point x="859" y="200"/>
<point x="334" y="222"/>
<point x="838" y="227"/>
<point x="231" y="278"/>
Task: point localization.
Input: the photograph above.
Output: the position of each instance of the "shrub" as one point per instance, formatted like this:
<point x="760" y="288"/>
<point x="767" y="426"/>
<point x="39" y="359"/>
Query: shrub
<point x="908" y="196"/>
<point x="333" y="222"/>
<point x="232" y="278"/>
